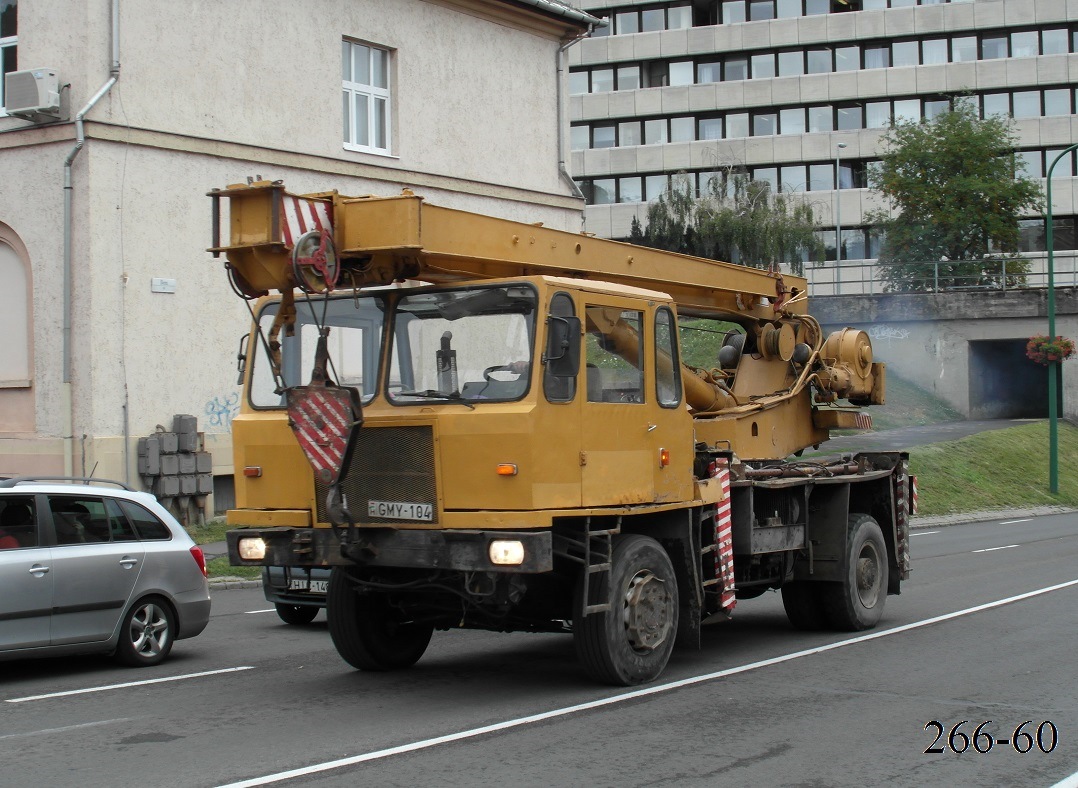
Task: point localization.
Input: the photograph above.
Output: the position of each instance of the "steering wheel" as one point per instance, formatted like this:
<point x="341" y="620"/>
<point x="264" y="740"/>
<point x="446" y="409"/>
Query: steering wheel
<point x="499" y="368"/>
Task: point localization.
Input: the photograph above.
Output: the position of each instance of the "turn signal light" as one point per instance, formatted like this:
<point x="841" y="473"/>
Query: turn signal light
<point x="664" y="457"/>
<point x="507" y="469"/>
<point x="252" y="471"/>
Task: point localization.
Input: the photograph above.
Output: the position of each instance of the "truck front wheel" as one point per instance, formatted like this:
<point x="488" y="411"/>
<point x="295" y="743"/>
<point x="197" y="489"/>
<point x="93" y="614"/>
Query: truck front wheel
<point x="367" y="631"/>
<point x="632" y="641"/>
<point x="857" y="602"/>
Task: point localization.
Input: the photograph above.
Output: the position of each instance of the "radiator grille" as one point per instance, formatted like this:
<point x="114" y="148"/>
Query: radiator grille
<point x="391" y="464"/>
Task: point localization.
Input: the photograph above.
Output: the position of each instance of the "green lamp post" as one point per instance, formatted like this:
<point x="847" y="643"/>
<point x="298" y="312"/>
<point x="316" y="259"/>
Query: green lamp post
<point x="1053" y="366"/>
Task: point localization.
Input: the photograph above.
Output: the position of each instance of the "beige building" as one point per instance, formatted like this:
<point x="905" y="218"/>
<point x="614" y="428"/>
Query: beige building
<point x="114" y="317"/>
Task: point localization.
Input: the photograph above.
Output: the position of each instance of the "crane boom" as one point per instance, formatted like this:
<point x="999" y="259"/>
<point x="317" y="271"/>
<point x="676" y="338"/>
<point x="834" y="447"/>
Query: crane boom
<point x="379" y="240"/>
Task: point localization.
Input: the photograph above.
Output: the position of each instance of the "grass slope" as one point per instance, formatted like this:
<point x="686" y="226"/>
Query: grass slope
<point x="1001" y="469"/>
<point x="908" y="406"/>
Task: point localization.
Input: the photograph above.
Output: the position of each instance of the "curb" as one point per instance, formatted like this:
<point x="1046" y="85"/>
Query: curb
<point x="228" y="583"/>
<point x="918" y="521"/>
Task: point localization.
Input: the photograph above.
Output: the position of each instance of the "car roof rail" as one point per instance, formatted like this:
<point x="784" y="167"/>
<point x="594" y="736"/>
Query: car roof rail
<point x="16" y="480"/>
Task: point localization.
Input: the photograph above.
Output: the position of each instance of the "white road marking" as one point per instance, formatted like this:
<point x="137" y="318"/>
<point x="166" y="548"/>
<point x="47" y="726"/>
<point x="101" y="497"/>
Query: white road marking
<point x="1068" y="782"/>
<point x="249" y="612"/>
<point x="66" y="728"/>
<point x="990" y="549"/>
<point x="634" y="695"/>
<point x="923" y="533"/>
<point x="129" y="684"/>
<point x="1011" y="522"/>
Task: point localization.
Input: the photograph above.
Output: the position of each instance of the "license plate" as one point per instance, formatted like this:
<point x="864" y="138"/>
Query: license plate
<point x="400" y="510"/>
<point x="313" y="586"/>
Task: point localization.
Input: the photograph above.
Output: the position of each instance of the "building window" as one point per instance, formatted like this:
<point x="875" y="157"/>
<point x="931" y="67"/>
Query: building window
<point x="604" y="137"/>
<point x="629" y="133"/>
<point x="655" y="132"/>
<point x="14" y="318"/>
<point x="819" y="60"/>
<point x="683" y="129"/>
<point x="1025" y="44"/>
<point x="366" y="94"/>
<point x="963" y="49"/>
<point x="847" y="58"/>
<point x="763" y="66"/>
<point x="905" y="53"/>
<point x="1054" y="42"/>
<point x="8" y="41"/>
<point x="933" y="51"/>
<point x="1057" y="102"/>
<point x="993" y="47"/>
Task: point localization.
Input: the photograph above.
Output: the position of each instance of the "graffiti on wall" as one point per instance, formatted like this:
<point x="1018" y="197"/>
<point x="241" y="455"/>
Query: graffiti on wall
<point x="882" y="331"/>
<point x="222" y="409"/>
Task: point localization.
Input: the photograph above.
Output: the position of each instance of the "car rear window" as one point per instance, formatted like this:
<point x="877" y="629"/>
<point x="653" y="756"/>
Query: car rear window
<point x="147" y="526"/>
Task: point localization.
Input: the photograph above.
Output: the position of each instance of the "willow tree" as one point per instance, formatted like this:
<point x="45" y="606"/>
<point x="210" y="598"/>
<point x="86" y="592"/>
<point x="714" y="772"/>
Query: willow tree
<point x="954" y="203"/>
<point x="735" y="219"/>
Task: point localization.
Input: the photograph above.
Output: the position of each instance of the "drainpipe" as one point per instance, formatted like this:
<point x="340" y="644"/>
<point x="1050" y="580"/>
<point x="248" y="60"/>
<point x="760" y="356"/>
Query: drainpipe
<point x="560" y="56"/>
<point x="80" y="140"/>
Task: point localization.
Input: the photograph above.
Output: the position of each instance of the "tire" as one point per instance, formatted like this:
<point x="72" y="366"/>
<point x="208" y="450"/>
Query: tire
<point x="297" y="615"/>
<point x="857" y="602"/>
<point x="146" y="633"/>
<point x="632" y="642"/>
<point x="802" y="601"/>
<point x="367" y="631"/>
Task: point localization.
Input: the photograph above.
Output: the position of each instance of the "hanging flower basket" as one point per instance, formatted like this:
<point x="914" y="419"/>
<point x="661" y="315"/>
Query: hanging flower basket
<point x="1043" y="350"/>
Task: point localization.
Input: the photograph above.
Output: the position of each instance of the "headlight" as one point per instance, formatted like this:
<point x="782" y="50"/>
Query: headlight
<point x="252" y="548"/>
<point x="506" y="552"/>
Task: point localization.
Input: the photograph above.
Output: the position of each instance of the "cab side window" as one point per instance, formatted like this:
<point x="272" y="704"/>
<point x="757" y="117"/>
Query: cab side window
<point x="18" y="523"/>
<point x="667" y="364"/>
<point x="614" y="354"/>
<point x="558" y="389"/>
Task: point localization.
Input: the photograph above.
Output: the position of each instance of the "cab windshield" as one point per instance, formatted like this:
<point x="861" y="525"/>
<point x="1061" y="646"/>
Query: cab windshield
<point x="355" y="338"/>
<point x="463" y="345"/>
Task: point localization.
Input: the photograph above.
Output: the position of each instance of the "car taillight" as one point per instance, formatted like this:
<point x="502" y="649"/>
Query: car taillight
<point x="200" y="559"/>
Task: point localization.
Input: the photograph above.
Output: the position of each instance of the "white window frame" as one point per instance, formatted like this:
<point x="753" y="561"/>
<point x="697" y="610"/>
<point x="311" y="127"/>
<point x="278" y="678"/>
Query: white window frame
<point x="352" y="91"/>
<point x="6" y="43"/>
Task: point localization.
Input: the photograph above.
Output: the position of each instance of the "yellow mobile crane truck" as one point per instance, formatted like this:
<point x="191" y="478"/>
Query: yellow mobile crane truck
<point x="479" y="423"/>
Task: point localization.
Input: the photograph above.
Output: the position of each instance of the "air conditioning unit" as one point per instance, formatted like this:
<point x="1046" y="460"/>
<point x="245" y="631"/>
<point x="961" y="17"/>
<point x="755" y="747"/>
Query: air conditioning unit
<point x="33" y="94"/>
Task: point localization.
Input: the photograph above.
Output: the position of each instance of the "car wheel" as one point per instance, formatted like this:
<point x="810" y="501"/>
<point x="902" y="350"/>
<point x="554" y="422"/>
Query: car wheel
<point x="296" y="614"/>
<point x="147" y="633"/>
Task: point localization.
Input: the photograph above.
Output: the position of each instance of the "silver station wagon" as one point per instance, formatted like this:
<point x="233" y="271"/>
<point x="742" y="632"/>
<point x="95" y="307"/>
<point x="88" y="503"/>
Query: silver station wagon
<point x="89" y="568"/>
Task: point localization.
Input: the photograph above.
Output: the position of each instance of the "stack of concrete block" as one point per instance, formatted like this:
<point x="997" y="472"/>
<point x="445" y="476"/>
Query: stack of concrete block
<point x="173" y="464"/>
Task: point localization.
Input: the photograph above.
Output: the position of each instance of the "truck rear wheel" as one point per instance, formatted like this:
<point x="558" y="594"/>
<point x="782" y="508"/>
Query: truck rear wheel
<point x="857" y="602"/>
<point x="631" y="643"/>
<point x="803" y="605"/>
<point x="368" y="632"/>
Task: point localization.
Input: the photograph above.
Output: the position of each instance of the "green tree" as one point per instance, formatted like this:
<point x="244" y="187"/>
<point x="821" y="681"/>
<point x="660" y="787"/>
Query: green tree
<point x="735" y="219"/>
<point x="955" y="203"/>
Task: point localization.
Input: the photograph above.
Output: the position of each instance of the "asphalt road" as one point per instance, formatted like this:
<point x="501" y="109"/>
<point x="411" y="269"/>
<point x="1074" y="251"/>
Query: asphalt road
<point x="984" y="630"/>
